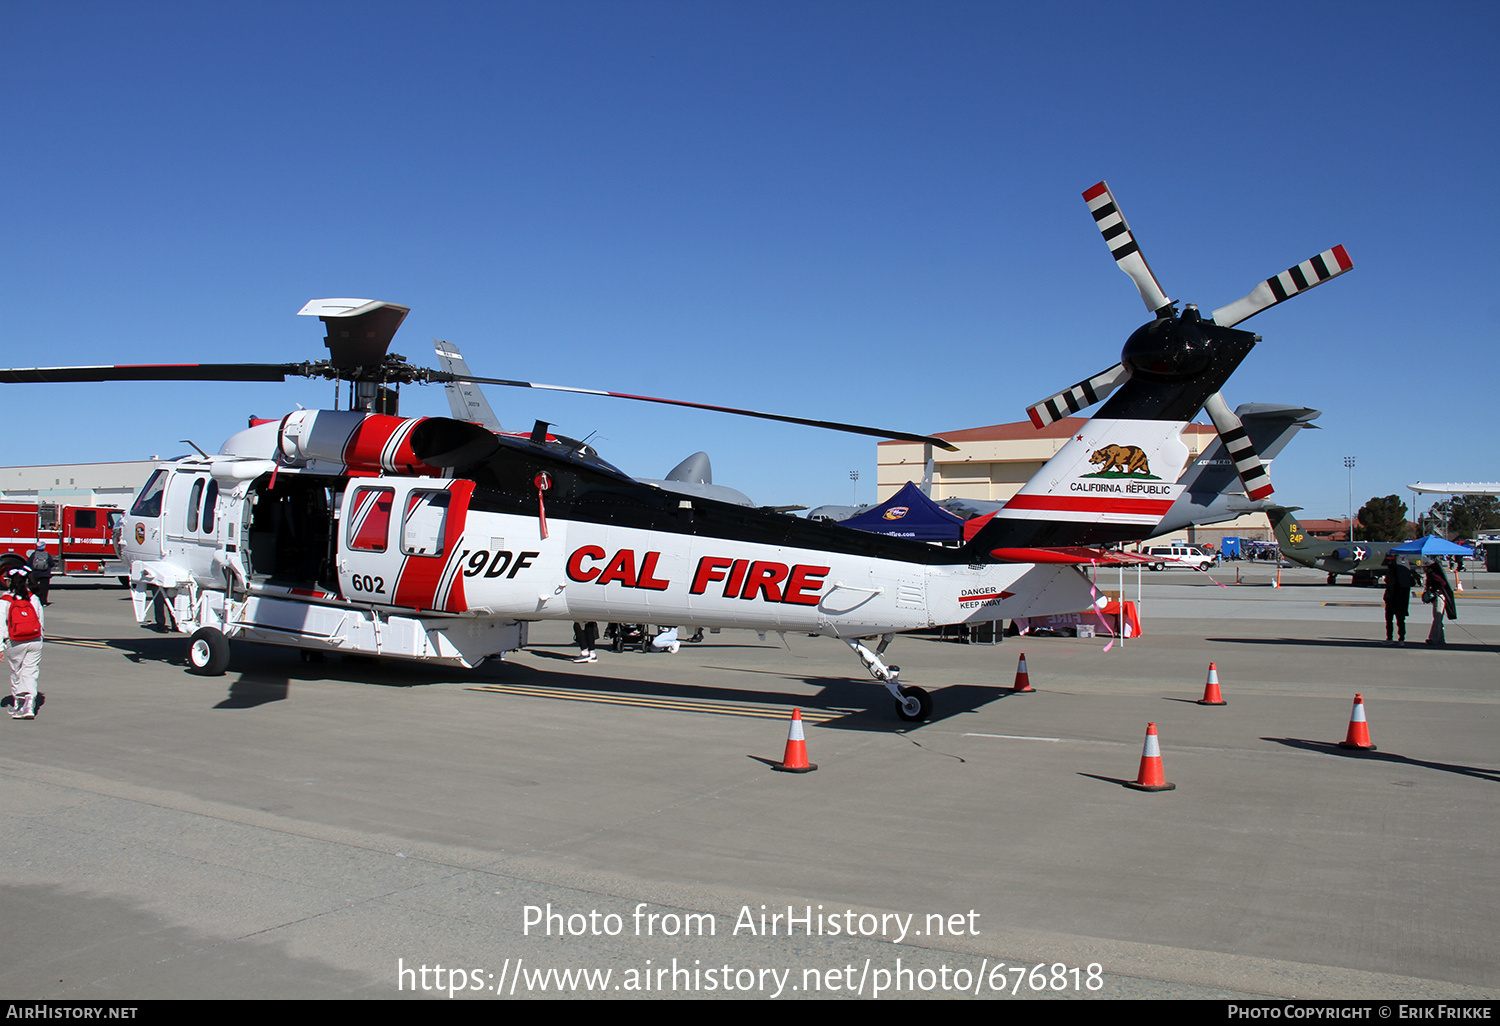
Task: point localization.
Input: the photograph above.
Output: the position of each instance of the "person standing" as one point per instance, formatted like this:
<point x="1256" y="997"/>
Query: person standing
<point x="42" y="563"/>
<point x="1399" y="580"/>
<point x="1439" y="593"/>
<point x="586" y="637"/>
<point x="21" y="636"/>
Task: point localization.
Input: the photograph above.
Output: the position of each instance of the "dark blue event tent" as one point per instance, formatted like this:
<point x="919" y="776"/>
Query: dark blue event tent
<point x="910" y="514"/>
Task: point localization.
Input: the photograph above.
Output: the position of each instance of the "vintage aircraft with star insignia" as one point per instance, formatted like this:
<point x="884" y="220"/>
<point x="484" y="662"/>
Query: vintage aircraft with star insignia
<point x="1364" y="562"/>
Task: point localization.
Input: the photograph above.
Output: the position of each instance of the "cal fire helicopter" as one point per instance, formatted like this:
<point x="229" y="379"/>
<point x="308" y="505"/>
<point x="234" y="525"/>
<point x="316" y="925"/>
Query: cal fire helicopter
<point x="436" y="539"/>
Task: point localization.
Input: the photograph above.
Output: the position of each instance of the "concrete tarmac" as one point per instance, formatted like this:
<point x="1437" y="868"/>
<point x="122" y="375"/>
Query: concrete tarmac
<point x="344" y="829"/>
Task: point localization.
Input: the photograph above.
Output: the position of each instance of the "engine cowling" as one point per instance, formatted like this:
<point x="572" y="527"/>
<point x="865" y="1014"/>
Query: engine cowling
<point x="369" y="442"/>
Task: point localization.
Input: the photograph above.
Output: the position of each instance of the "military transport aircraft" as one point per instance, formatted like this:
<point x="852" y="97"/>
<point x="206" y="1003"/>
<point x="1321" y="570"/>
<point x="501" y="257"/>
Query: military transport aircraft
<point x="437" y="539"/>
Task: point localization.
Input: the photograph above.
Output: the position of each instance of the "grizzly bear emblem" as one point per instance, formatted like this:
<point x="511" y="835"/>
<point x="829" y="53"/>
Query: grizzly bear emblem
<point x="1122" y="459"/>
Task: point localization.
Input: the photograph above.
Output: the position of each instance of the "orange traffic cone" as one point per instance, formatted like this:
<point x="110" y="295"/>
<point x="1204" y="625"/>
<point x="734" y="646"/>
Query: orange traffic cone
<point x="1359" y="730"/>
<point x="1152" y="777"/>
<point x="795" y="759"/>
<point x="1211" y="694"/>
<point x="1023" y="679"/>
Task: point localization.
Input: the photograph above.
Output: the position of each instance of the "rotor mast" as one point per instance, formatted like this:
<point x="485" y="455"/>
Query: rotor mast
<point x="359" y="335"/>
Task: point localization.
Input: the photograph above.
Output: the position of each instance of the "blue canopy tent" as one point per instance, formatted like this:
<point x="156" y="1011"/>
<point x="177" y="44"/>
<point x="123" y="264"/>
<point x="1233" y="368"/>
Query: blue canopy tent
<point x="1431" y="545"/>
<point x="909" y="514"/>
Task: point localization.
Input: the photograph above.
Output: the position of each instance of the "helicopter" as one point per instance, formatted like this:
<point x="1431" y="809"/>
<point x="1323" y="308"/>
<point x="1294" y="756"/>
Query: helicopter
<point x="439" y="540"/>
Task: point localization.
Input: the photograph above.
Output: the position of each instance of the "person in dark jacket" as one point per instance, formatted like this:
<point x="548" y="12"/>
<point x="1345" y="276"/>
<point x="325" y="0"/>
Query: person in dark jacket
<point x="1399" y="580"/>
<point x="1439" y="593"/>
<point x="42" y="563"/>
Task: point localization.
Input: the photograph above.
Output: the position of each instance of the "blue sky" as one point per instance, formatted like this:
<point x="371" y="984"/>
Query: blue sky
<point x="865" y="212"/>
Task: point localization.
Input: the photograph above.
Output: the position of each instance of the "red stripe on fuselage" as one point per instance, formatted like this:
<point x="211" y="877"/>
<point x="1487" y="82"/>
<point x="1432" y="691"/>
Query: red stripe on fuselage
<point x="1091" y="504"/>
<point x="421" y="576"/>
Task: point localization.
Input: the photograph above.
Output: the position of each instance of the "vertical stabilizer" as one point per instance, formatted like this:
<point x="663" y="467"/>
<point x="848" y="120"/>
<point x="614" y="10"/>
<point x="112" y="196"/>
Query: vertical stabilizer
<point x="464" y="397"/>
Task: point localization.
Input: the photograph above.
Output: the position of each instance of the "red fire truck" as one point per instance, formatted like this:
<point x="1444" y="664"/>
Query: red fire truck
<point x="81" y="537"/>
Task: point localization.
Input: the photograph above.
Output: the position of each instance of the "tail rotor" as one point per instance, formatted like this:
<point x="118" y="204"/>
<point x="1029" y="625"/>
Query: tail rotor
<point x="1127" y="253"/>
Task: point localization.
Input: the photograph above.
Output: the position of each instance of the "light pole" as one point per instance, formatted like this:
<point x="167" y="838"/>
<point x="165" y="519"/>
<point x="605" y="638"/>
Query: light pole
<point x="1349" y="462"/>
<point x="854" y="476"/>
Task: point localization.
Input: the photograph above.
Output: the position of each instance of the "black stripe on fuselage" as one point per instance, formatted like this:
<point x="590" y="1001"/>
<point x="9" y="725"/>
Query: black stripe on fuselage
<point x="585" y="493"/>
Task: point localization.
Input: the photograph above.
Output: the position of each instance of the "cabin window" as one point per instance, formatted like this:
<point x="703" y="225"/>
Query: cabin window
<point x="192" y="508"/>
<point x="85" y="519"/>
<point x="422" y="531"/>
<point x="370" y="521"/>
<point x="210" y="505"/>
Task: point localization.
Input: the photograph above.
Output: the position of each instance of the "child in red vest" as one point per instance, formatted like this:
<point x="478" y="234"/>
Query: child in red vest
<point x="21" y="636"/>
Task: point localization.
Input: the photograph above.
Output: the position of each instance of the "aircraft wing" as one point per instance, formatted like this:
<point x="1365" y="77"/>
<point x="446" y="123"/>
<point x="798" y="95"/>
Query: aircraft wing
<point x="1079" y="555"/>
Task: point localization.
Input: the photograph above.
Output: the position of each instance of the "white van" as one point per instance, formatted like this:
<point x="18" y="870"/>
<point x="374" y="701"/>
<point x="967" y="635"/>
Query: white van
<point x="1181" y="555"/>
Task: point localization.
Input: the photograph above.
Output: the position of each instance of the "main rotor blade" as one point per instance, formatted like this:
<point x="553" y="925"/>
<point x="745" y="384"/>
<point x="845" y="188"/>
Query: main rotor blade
<point x="154" y="372"/>
<point x="1292" y="282"/>
<point x="1081" y="396"/>
<point x="1237" y="443"/>
<point x="440" y="377"/>
<point x="1122" y="245"/>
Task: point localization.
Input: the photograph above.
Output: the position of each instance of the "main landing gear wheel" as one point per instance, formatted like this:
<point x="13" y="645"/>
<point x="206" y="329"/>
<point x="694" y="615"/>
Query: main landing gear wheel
<point x="208" y="652"/>
<point x="924" y="705"/>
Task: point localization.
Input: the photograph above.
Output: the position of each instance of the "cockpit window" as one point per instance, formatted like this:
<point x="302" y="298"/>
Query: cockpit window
<point x="148" y="503"/>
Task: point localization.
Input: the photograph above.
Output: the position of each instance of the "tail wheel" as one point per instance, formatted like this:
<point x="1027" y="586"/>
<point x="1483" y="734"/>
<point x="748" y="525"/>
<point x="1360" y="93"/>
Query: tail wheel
<point x="924" y="705"/>
<point x="208" y="652"/>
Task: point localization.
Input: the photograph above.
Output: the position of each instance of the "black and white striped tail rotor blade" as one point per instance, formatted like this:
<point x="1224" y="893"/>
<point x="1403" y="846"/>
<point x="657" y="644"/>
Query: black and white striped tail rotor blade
<point x="1247" y="464"/>
<point x="1081" y="396"/>
<point x="1122" y="245"/>
<point x="1292" y="282"/>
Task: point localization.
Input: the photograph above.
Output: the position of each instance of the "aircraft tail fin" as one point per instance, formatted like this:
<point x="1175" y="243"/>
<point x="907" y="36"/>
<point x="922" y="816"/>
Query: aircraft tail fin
<point x="1117" y="476"/>
<point x="1289" y="533"/>
<point x="464" y="397"/>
